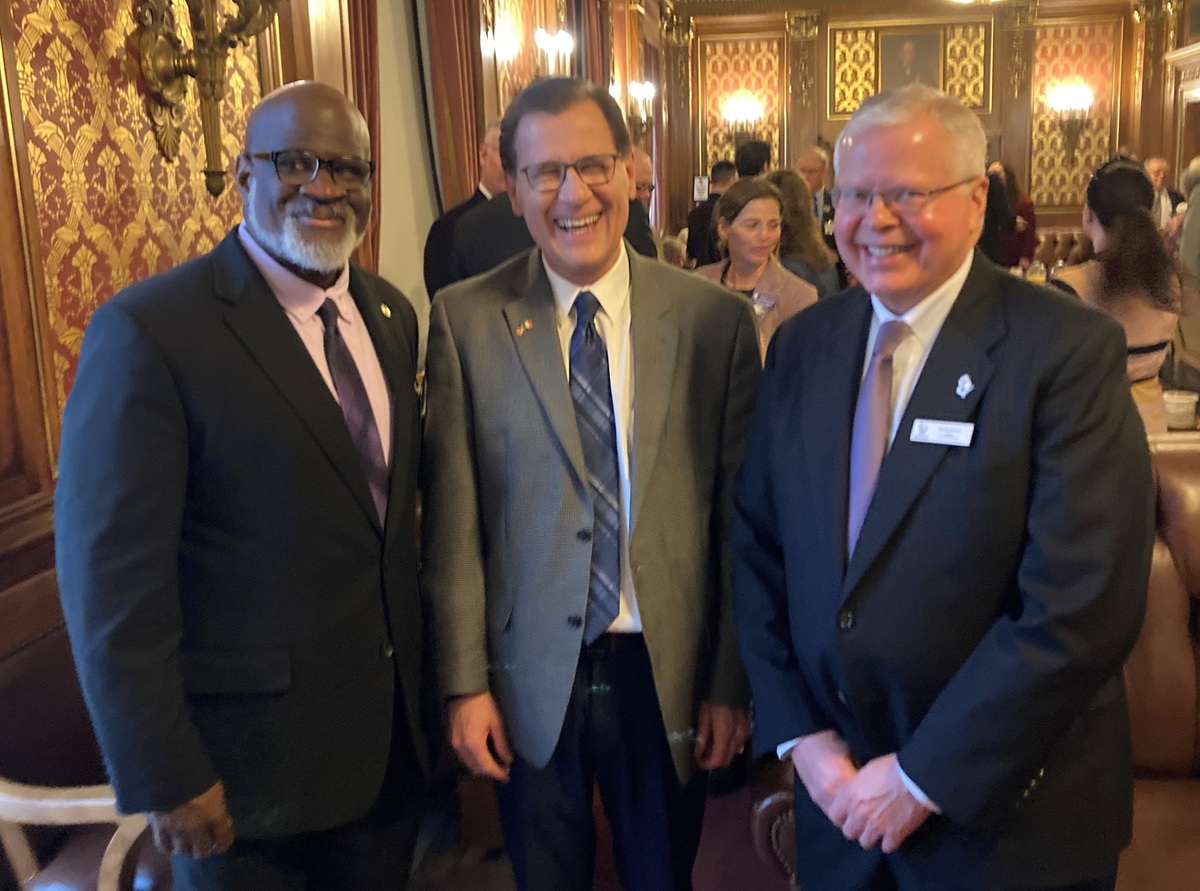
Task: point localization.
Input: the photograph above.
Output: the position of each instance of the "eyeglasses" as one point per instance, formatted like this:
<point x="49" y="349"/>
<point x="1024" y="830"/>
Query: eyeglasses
<point x="648" y="188"/>
<point x="592" y="170"/>
<point x="296" y="167"/>
<point x="902" y="201"/>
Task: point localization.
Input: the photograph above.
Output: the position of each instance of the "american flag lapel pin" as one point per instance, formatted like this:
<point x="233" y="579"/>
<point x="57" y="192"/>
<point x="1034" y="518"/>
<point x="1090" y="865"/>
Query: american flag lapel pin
<point x="526" y="325"/>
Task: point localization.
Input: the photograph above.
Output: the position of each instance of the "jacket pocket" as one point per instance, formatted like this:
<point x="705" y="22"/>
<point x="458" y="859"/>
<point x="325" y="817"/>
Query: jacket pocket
<point x="237" y="673"/>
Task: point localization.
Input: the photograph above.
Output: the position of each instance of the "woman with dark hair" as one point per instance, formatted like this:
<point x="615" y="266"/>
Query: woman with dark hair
<point x="1132" y="277"/>
<point x="1019" y="244"/>
<point x="802" y="250"/>
<point x="749" y="216"/>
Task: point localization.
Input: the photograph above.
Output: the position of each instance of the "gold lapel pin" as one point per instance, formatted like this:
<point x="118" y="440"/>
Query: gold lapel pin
<point x="386" y="310"/>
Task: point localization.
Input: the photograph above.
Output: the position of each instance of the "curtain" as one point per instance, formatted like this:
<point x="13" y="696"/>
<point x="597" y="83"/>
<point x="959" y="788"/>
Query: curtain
<point x="455" y="65"/>
<point x="364" y="64"/>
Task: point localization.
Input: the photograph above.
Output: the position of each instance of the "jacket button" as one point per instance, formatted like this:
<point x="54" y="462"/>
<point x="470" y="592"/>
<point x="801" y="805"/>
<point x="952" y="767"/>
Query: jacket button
<point x="575" y="621"/>
<point x="387" y="651"/>
<point x="846" y="619"/>
<point x="584" y="535"/>
<point x="842" y="698"/>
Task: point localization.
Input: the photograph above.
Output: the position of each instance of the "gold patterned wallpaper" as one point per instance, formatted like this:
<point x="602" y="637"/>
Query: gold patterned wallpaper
<point x="1087" y="52"/>
<point x="110" y="209"/>
<point x="956" y="57"/>
<point x="729" y="66"/>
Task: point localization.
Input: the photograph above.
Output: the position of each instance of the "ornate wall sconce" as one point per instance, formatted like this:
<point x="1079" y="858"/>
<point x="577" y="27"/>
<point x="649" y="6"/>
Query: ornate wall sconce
<point x="741" y="113"/>
<point x="641" y="109"/>
<point x="1071" y="104"/>
<point x="554" y="52"/>
<point x="166" y="66"/>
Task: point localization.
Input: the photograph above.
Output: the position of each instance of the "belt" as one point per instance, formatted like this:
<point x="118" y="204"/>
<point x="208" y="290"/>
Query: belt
<point x="609" y="644"/>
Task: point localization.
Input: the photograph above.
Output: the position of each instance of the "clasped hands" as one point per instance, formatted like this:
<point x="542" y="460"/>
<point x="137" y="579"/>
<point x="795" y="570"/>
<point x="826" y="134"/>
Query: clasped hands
<point x="478" y="737"/>
<point x="871" y="805"/>
<point x="200" y="827"/>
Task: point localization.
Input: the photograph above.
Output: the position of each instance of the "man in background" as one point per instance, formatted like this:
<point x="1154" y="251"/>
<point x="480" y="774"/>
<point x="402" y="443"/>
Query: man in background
<point x="441" y="234"/>
<point x="234" y="532"/>
<point x="752" y="158"/>
<point x="702" y="233"/>
<point x="1166" y="199"/>
<point x="813" y="166"/>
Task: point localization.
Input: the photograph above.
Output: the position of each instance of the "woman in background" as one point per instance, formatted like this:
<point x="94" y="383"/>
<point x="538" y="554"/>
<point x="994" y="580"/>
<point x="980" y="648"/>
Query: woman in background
<point x="749" y="223"/>
<point x="1132" y="277"/>
<point x="1019" y="244"/>
<point x="802" y="251"/>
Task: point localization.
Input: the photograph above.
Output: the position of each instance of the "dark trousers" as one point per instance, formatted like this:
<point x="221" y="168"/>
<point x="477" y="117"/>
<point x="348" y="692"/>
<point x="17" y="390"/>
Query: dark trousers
<point x="373" y="853"/>
<point x="612" y="739"/>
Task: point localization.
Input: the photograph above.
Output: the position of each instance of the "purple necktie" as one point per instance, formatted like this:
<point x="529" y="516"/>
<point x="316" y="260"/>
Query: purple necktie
<point x="872" y="422"/>
<point x="356" y="407"/>
<point x="591" y="392"/>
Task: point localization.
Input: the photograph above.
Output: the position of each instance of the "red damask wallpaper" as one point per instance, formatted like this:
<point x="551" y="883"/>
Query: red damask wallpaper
<point x="110" y="209"/>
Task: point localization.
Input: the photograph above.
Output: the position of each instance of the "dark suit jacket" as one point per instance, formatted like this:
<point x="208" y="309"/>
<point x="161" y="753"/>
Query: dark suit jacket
<point x="825" y="226"/>
<point x="997" y="218"/>
<point x="980" y="626"/>
<point x="488" y="235"/>
<point x="702" y="232"/>
<point x="235" y="609"/>
<point x="439" y="244"/>
<point x="1177" y="198"/>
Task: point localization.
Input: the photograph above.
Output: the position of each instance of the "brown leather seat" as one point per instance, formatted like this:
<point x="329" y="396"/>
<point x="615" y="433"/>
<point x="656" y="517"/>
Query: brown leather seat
<point x="1162" y="678"/>
<point x="59" y="828"/>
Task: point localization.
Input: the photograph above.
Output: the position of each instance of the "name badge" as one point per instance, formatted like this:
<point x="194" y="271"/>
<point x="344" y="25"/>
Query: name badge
<point x="762" y="303"/>
<point x="951" y="433"/>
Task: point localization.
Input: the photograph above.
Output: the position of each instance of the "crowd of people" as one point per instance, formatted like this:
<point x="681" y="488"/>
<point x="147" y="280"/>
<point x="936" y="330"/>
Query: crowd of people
<point x="849" y="476"/>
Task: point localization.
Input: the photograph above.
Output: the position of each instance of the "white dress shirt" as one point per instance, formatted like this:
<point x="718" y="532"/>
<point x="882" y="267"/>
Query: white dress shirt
<point x="613" y="320"/>
<point x="301" y="299"/>
<point x="926" y="320"/>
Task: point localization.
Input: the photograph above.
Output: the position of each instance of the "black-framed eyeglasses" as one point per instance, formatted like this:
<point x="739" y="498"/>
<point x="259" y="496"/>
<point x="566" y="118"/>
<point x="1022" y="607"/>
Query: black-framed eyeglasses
<point x="297" y="167"/>
<point x="648" y="188"/>
<point x="592" y="170"/>
<point x="901" y="200"/>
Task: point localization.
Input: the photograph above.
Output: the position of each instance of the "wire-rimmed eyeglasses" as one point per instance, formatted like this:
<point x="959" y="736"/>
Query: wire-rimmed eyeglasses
<point x="592" y="170"/>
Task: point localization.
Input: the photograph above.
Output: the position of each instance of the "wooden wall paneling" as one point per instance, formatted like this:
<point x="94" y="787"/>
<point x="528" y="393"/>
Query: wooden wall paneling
<point x="805" y="82"/>
<point x="1183" y="67"/>
<point x="27" y="427"/>
<point x="329" y="39"/>
<point x="284" y="50"/>
<point x="680" y="144"/>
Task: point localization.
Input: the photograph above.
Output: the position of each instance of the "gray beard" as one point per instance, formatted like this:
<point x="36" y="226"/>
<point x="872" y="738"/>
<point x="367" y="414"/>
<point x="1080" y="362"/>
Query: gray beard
<point x="289" y="244"/>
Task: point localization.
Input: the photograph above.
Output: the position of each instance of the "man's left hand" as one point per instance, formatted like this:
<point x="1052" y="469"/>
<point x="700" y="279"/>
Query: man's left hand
<point x="879" y="806"/>
<point x="721" y="733"/>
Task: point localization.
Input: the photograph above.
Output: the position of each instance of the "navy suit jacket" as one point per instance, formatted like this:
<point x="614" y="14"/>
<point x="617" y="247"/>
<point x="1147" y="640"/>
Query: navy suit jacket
<point x="980" y="626"/>
<point x="236" y="609"/>
<point x="440" y="242"/>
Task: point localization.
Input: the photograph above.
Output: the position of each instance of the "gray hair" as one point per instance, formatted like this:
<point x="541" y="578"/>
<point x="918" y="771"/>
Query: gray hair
<point x="1190" y="178"/>
<point x="893" y="108"/>
<point x="822" y="155"/>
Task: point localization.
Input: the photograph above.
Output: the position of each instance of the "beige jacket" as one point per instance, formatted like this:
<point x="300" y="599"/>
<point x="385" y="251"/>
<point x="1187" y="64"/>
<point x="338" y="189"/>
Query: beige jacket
<point x="789" y="294"/>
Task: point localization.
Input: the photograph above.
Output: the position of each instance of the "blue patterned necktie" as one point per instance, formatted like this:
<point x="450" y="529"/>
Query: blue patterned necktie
<point x="356" y="407"/>
<point x="591" y="392"/>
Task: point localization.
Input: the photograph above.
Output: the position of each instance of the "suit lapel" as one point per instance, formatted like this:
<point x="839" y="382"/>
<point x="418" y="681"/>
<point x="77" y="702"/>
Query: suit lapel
<point x="397" y="372"/>
<point x="830" y="393"/>
<point x="655" y="344"/>
<point x="975" y="324"/>
<point x="534" y="329"/>
<point x="260" y="323"/>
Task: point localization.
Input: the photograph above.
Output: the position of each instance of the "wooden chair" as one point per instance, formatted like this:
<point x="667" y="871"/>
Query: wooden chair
<point x="59" y="826"/>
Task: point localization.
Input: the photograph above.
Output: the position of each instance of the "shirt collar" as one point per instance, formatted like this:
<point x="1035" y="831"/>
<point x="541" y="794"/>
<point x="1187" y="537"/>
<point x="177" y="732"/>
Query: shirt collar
<point x="926" y="318"/>
<point x="611" y="289"/>
<point x="484" y="192"/>
<point x="299" y="298"/>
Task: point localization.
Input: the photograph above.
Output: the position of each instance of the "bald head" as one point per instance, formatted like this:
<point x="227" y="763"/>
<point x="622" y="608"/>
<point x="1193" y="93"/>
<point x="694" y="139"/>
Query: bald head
<point x="310" y="104"/>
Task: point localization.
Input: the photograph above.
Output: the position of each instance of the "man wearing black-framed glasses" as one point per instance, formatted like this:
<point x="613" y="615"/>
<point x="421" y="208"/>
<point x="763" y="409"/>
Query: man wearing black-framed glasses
<point x="235" y="532"/>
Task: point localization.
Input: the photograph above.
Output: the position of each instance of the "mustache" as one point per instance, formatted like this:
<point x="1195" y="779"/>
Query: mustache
<point x="315" y="207"/>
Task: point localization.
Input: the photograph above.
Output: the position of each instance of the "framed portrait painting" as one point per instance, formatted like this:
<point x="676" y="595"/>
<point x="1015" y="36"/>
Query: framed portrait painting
<point x="907" y="57"/>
